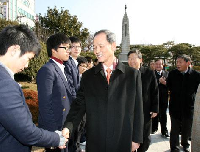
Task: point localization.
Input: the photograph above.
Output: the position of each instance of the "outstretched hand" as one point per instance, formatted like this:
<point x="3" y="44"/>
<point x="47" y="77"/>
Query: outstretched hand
<point x="65" y="133"/>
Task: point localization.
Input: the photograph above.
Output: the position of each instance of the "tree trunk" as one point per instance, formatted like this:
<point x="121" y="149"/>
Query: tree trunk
<point x="195" y="143"/>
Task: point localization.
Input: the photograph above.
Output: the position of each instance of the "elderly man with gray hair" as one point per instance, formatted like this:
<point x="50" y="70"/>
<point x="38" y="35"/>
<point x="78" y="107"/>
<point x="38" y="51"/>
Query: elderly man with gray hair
<point x="111" y="96"/>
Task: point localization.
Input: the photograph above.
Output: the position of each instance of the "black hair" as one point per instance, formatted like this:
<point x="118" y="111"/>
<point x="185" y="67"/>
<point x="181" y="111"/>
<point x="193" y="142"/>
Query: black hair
<point x="54" y="41"/>
<point x="19" y="35"/>
<point x="89" y="59"/>
<point x="74" y="39"/>
<point x="136" y="51"/>
<point x="81" y="60"/>
<point x="160" y="60"/>
<point x="185" y="57"/>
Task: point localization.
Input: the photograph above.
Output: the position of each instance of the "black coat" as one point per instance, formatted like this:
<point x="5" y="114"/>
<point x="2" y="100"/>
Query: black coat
<point x="183" y="90"/>
<point x="149" y="93"/>
<point x="114" y="112"/>
<point x="163" y="90"/>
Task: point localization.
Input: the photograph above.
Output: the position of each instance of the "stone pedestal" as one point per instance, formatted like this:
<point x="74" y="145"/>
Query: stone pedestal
<point x="195" y="143"/>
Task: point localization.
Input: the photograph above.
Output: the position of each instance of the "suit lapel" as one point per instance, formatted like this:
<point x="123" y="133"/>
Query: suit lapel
<point x="60" y="73"/>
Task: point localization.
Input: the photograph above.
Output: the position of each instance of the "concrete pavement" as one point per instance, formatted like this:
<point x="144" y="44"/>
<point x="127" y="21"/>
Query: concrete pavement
<point x="159" y="143"/>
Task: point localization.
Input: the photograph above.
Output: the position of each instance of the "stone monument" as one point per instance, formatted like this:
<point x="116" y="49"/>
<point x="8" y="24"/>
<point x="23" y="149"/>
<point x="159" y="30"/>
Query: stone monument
<point x="125" y="44"/>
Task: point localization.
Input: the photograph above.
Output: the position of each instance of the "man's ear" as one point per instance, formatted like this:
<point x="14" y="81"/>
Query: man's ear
<point x="14" y="49"/>
<point x="188" y="63"/>
<point x="113" y="45"/>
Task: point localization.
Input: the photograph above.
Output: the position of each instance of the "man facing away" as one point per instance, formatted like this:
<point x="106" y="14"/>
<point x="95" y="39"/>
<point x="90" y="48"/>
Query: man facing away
<point x="18" y="44"/>
<point x="149" y="94"/>
<point x="161" y="76"/>
<point x="183" y="83"/>
<point x="54" y="91"/>
<point x="111" y="96"/>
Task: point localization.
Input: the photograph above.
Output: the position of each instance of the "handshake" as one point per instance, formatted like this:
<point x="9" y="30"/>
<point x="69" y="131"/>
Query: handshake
<point x="64" y="136"/>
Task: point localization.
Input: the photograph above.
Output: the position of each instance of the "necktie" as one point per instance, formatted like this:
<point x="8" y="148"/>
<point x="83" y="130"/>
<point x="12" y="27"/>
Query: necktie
<point x="108" y="70"/>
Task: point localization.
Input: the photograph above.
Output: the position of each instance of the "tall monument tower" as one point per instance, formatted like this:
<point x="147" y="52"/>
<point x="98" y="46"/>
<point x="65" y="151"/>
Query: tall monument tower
<point x="125" y="44"/>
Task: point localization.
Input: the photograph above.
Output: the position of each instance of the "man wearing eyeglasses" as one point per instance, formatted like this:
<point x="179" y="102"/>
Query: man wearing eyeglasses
<point x="54" y="91"/>
<point x="71" y="65"/>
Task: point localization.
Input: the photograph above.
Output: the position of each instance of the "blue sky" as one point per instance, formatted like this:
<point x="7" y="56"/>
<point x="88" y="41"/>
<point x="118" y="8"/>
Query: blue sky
<point x="150" y="21"/>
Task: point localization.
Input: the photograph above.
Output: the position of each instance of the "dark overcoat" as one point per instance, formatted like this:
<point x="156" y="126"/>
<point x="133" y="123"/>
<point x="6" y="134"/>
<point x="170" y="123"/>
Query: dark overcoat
<point x="114" y="112"/>
<point x="149" y="93"/>
<point x="183" y="90"/>
<point x="163" y="90"/>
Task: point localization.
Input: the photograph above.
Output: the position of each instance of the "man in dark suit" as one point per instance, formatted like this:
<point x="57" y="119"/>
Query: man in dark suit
<point x="73" y="74"/>
<point x="161" y="76"/>
<point x="149" y="94"/>
<point x="111" y="96"/>
<point x="71" y="65"/>
<point x="54" y="91"/>
<point x="18" y="44"/>
<point x="182" y="83"/>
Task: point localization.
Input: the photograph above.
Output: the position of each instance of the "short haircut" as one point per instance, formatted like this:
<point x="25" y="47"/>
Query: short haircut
<point x="81" y="60"/>
<point x="185" y="57"/>
<point x="74" y="39"/>
<point x="19" y="35"/>
<point x="159" y="60"/>
<point x="54" y="41"/>
<point x="110" y="36"/>
<point x="89" y="59"/>
<point x="136" y="51"/>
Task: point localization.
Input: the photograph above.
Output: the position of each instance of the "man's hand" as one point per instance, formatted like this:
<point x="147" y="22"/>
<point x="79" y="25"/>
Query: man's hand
<point x="65" y="132"/>
<point x="153" y="114"/>
<point x="162" y="80"/>
<point x="63" y="140"/>
<point x="135" y="146"/>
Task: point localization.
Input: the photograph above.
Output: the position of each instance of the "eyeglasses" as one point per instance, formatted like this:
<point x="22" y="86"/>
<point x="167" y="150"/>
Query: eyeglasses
<point x="83" y="65"/>
<point x="65" y="47"/>
<point x="77" y="47"/>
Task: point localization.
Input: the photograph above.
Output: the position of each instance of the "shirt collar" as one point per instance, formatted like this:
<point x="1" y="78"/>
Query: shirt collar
<point x="76" y="62"/>
<point x="57" y="60"/>
<point x="8" y="70"/>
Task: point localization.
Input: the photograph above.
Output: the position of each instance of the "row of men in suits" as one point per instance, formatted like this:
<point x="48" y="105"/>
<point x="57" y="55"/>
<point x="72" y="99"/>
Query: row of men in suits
<point x="110" y="94"/>
<point x="106" y="109"/>
<point x="182" y="84"/>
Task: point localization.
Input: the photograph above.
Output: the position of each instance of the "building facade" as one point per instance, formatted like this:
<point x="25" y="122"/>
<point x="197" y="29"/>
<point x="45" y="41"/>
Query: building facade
<point x="22" y="11"/>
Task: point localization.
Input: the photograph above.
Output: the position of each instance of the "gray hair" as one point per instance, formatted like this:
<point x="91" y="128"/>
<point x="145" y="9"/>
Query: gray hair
<point x="111" y="38"/>
<point x="185" y="57"/>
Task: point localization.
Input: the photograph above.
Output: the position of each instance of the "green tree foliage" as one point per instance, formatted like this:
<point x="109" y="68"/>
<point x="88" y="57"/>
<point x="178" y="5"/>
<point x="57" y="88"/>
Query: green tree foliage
<point x="181" y="48"/>
<point x="90" y="54"/>
<point x="36" y="63"/>
<point x="62" y="21"/>
<point x="195" y="55"/>
<point x="4" y="23"/>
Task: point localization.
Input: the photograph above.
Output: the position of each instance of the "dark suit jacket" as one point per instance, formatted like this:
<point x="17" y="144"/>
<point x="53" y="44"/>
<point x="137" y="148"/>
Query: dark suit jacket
<point x="54" y="95"/>
<point x="114" y="112"/>
<point x="183" y="90"/>
<point x="73" y="73"/>
<point x="163" y="90"/>
<point x="149" y="93"/>
<point x="17" y="130"/>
